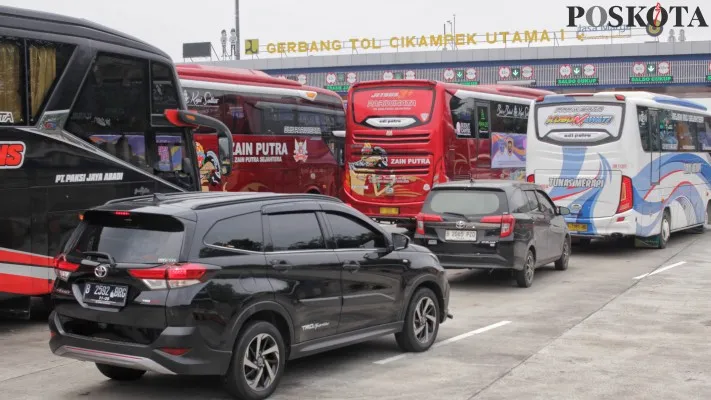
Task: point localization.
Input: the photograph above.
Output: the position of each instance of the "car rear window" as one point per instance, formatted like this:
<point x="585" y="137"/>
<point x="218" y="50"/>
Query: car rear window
<point x="134" y="238"/>
<point x="467" y="202"/>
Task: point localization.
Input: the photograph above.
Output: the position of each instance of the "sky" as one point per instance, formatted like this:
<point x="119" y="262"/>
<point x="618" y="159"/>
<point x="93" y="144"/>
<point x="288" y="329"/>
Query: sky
<point x="168" y="24"/>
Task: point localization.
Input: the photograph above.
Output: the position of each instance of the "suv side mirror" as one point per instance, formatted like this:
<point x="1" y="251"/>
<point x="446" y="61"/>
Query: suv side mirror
<point x="225" y="144"/>
<point x="563" y="210"/>
<point x="400" y="241"/>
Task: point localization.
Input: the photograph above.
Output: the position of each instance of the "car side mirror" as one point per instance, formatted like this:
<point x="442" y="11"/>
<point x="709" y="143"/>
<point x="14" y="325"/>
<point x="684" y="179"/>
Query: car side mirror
<point x="225" y="144"/>
<point x="339" y="134"/>
<point x="400" y="241"/>
<point x="563" y="210"/>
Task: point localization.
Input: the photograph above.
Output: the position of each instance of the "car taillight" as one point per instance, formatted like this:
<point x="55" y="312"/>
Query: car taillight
<point x="531" y="178"/>
<point x="170" y="276"/>
<point x="507" y="222"/>
<point x="626" y="196"/>
<point x="422" y="218"/>
<point x="122" y="213"/>
<point x="63" y="268"/>
<point x="174" y="351"/>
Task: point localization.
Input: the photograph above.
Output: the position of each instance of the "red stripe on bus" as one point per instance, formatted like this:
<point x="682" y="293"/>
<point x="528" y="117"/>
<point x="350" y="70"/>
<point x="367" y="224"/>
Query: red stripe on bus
<point x="13" y="257"/>
<point x="24" y="285"/>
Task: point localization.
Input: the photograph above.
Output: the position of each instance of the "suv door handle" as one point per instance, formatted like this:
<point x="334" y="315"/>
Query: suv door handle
<point x="280" y="265"/>
<point x="351" y="266"/>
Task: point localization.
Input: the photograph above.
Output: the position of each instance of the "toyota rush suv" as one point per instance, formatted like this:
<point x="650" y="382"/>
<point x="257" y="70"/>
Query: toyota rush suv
<point x="236" y="284"/>
<point x="494" y="224"/>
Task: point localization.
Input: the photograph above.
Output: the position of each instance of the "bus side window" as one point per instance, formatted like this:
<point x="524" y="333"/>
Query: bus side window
<point x="483" y="126"/>
<point x="643" y="124"/>
<point x="113" y="107"/>
<point x="705" y="135"/>
<point x="462" y="110"/>
<point x="509" y="118"/>
<point x="12" y="91"/>
<point x="654" y="122"/>
<point x="165" y="95"/>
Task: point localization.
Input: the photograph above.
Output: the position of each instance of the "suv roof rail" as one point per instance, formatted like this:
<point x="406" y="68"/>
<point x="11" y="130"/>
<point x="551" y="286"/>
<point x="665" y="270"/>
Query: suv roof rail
<point x="274" y="196"/>
<point x="159" y="197"/>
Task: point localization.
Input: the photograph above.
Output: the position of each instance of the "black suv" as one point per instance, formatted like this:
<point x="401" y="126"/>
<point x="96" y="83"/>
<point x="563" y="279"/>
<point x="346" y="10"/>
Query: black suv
<point x="236" y="284"/>
<point x="494" y="224"/>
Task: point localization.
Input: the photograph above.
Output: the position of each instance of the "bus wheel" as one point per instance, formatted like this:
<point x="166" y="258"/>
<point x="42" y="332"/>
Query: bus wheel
<point x="707" y="221"/>
<point x="665" y="230"/>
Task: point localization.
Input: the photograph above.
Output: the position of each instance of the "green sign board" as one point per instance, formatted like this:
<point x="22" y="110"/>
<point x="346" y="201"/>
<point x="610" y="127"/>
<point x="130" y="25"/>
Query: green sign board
<point x="651" y="79"/>
<point x="516" y="72"/>
<point x="576" y="81"/>
<point x="398" y="75"/>
<point x="468" y="83"/>
<point x="341" y="77"/>
<point x="708" y="78"/>
<point x="577" y="70"/>
<point x="338" y="88"/>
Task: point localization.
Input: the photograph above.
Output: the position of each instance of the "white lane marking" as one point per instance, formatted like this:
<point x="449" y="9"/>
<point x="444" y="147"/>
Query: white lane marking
<point x="448" y="341"/>
<point x="656" y="271"/>
<point x="472" y="333"/>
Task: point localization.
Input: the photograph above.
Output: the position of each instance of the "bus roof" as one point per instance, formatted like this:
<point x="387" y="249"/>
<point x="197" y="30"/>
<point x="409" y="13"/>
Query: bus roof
<point x="22" y="19"/>
<point x="501" y="90"/>
<point x="624" y="95"/>
<point x="198" y="72"/>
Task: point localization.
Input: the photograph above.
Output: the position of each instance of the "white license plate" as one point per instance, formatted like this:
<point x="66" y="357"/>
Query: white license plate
<point x="460" y="236"/>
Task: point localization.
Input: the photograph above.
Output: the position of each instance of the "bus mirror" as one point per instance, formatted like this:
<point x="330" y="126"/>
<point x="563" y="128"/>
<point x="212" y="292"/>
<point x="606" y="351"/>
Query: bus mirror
<point x="225" y="146"/>
<point x="190" y="119"/>
<point x="339" y="134"/>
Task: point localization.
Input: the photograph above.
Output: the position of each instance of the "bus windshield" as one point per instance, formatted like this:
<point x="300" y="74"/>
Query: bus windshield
<point x="370" y="105"/>
<point x="579" y="123"/>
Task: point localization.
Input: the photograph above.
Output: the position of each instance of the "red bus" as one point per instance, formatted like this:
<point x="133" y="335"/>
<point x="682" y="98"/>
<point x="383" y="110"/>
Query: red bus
<point x="402" y="137"/>
<point x="282" y="130"/>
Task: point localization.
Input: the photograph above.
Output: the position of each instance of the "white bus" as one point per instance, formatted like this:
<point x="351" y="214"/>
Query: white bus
<point x="626" y="164"/>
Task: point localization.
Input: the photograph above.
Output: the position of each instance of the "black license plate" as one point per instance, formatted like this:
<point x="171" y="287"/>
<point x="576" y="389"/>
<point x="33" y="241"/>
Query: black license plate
<point x="105" y="294"/>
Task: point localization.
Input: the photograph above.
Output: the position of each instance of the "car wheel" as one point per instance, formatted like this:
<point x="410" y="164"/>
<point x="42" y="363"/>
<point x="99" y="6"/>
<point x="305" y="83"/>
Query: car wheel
<point x="524" y="277"/>
<point x="665" y="230"/>
<point x="561" y="264"/>
<point x="421" y="322"/>
<point x="120" y="373"/>
<point x="258" y="362"/>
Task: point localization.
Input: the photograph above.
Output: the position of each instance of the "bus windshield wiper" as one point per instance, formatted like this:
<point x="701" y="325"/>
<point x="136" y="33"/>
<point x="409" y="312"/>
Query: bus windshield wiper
<point x="462" y="216"/>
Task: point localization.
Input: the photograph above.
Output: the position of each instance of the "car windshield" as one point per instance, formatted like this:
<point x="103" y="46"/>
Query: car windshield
<point x="131" y="239"/>
<point x="466" y="202"/>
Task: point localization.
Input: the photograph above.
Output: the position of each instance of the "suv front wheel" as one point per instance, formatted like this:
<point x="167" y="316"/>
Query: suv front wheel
<point x="258" y="362"/>
<point x="421" y="322"/>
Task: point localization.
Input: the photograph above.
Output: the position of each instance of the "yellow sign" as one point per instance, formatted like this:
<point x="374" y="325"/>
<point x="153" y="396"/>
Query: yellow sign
<point x="422" y="41"/>
<point x="251" y="46"/>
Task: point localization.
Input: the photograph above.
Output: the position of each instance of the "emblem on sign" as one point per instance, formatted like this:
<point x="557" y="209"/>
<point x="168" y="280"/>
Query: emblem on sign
<point x="101" y="271"/>
<point x="460" y="224"/>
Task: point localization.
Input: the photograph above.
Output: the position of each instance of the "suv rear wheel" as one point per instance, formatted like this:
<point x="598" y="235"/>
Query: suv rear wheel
<point x="421" y="322"/>
<point x="258" y="362"/>
<point x="524" y="277"/>
<point x="561" y="264"/>
<point x="120" y="373"/>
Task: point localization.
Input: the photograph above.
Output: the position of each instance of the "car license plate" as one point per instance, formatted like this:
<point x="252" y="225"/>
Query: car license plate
<point x="389" y="210"/>
<point x="578" y="227"/>
<point x="460" y="236"/>
<point x="105" y="294"/>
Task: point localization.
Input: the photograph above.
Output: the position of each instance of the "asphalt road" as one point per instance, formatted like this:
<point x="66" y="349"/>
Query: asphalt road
<point x="604" y="329"/>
